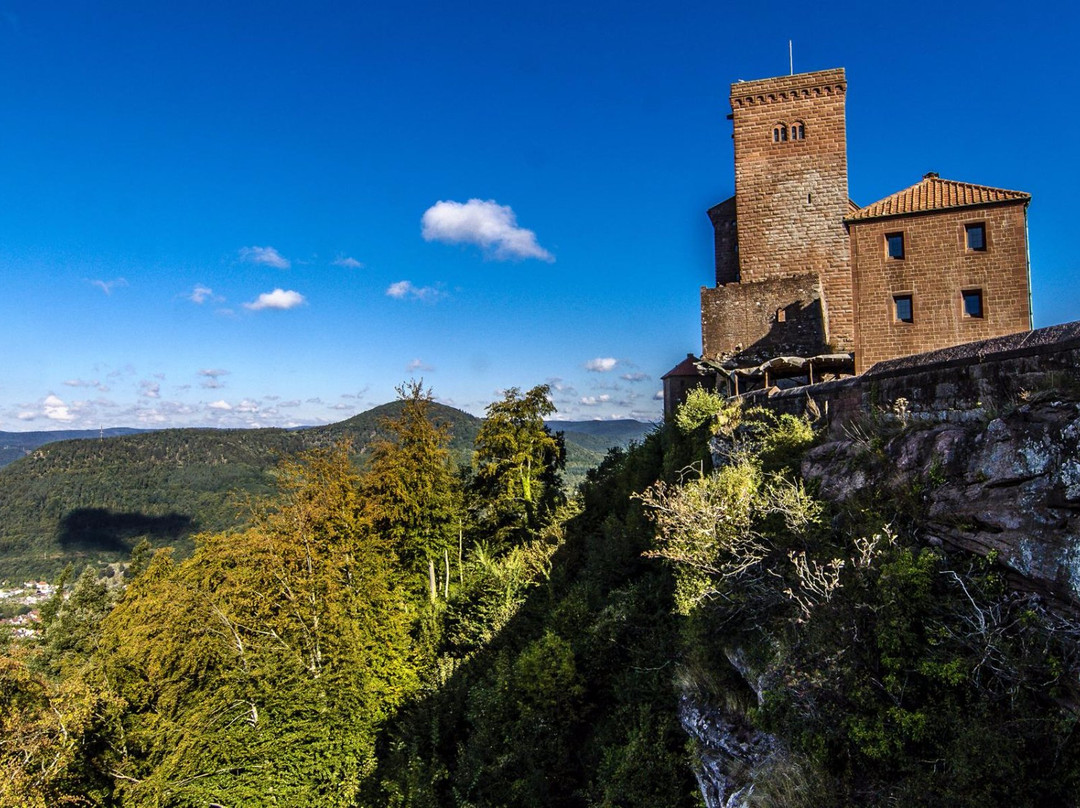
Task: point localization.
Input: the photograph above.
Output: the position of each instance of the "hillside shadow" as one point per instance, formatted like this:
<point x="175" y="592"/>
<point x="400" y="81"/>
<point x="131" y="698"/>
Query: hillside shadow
<point x="498" y="725"/>
<point x="102" y="530"/>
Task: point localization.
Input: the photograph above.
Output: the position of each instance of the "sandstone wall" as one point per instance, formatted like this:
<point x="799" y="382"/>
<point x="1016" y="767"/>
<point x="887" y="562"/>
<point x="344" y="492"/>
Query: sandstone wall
<point x="936" y="269"/>
<point x="791" y="195"/>
<point x="775" y="317"/>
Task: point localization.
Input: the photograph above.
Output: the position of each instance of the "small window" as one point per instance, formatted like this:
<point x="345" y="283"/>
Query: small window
<point x="973" y="302"/>
<point x="975" y="236"/>
<point x="903" y="309"/>
<point x="781" y="315"/>
<point x="780" y="133"/>
<point x="798" y="131"/>
<point x="894" y="245"/>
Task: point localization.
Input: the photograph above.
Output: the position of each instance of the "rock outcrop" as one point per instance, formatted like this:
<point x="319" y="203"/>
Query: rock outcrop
<point x="1008" y="485"/>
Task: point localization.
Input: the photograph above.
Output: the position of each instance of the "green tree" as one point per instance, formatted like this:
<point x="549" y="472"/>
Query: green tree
<point x="261" y="670"/>
<point x="72" y="632"/>
<point x="516" y="464"/>
<point x="410" y="489"/>
<point x="50" y="734"/>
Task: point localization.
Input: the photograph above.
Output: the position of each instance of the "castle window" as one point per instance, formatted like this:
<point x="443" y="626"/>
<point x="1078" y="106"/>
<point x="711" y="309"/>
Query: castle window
<point x="798" y="131"/>
<point x="975" y="236"/>
<point x="973" y="302"/>
<point x="903" y="308"/>
<point x="780" y="133"/>
<point x="781" y="315"/>
<point x="894" y="245"/>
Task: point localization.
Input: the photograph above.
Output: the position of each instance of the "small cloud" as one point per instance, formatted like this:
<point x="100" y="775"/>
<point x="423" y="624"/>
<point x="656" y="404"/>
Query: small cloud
<point x="56" y="410"/>
<point x="267" y="256"/>
<point x="658" y="395"/>
<point x="593" y="401"/>
<point x="52" y="407"/>
<point x="348" y="263"/>
<point x="419" y="364"/>
<point x="220" y="405"/>
<point x="107" y="286"/>
<point x="295" y="402"/>
<point x="402" y="290"/>
<point x="277" y="299"/>
<point x="212" y="378"/>
<point x="148" y="389"/>
<point x="83" y="383"/>
<point x="601" y="365"/>
<point x="559" y="386"/>
<point x="487" y="224"/>
<point x="200" y="294"/>
<point x="636" y="377"/>
<point x="247" y="405"/>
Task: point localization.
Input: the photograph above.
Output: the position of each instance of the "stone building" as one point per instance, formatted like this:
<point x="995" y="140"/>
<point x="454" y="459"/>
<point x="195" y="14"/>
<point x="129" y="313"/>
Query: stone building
<point x="805" y="275"/>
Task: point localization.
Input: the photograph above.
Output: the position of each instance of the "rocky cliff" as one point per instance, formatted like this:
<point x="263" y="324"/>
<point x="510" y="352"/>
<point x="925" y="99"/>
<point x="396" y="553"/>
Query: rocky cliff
<point x="1005" y="485"/>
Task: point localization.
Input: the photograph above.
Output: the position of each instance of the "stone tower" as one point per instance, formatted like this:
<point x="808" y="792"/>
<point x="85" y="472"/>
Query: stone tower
<point x="783" y="268"/>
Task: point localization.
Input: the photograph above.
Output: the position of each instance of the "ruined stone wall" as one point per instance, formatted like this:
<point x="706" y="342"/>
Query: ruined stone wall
<point x="779" y="316"/>
<point x="791" y="193"/>
<point x="725" y="241"/>
<point x="937" y="267"/>
<point x="957" y="384"/>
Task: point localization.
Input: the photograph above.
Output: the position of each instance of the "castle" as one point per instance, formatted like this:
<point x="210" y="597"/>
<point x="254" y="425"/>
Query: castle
<point x="811" y="286"/>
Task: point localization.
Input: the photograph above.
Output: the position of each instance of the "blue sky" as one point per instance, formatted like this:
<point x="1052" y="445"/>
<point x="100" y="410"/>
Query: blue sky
<point x="260" y="214"/>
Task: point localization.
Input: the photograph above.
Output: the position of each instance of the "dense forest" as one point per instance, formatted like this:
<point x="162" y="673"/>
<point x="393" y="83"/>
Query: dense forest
<point x="91" y="501"/>
<point x="415" y="631"/>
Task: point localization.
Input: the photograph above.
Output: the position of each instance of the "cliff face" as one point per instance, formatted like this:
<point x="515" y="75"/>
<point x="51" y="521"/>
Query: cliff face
<point x="925" y="655"/>
<point x="1008" y="485"/>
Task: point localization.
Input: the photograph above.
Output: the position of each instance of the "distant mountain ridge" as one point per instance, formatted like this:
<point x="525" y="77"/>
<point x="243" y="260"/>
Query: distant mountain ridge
<point x="85" y="500"/>
<point x="599" y="436"/>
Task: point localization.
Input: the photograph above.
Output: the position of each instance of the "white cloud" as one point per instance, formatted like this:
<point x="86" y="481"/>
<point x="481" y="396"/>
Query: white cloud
<point x="593" y="401"/>
<point x="150" y="389"/>
<point x="267" y="256"/>
<point x="247" y="405"/>
<point x="84" y="383"/>
<point x="200" y="294"/>
<point x="635" y="377"/>
<point x="419" y="364"/>
<point x="56" y="410"/>
<point x="488" y="225"/>
<point x="348" y="262"/>
<point x="107" y="286"/>
<point x="402" y="290"/>
<point x="220" y="405"/>
<point x="601" y="364"/>
<point x="212" y="378"/>
<point x="277" y="299"/>
<point x="658" y="396"/>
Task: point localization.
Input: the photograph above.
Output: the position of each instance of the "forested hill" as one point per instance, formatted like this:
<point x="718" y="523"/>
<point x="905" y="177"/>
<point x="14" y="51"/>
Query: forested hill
<point x="602" y="435"/>
<point x="80" y="500"/>
<point x="14" y="445"/>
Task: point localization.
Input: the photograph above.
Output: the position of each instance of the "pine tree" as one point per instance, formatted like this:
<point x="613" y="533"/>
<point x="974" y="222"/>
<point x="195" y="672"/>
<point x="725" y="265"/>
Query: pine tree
<point x="410" y="490"/>
<point x="516" y="464"/>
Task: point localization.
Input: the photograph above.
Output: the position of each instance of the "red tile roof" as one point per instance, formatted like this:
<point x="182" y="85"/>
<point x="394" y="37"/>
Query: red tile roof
<point x="934" y="193"/>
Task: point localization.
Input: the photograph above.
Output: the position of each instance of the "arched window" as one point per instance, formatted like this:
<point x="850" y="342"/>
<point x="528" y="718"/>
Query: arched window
<point x="780" y="133"/>
<point x="798" y="131"/>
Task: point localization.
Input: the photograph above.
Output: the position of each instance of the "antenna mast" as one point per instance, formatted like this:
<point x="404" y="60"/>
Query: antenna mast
<point x="790" y="59"/>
